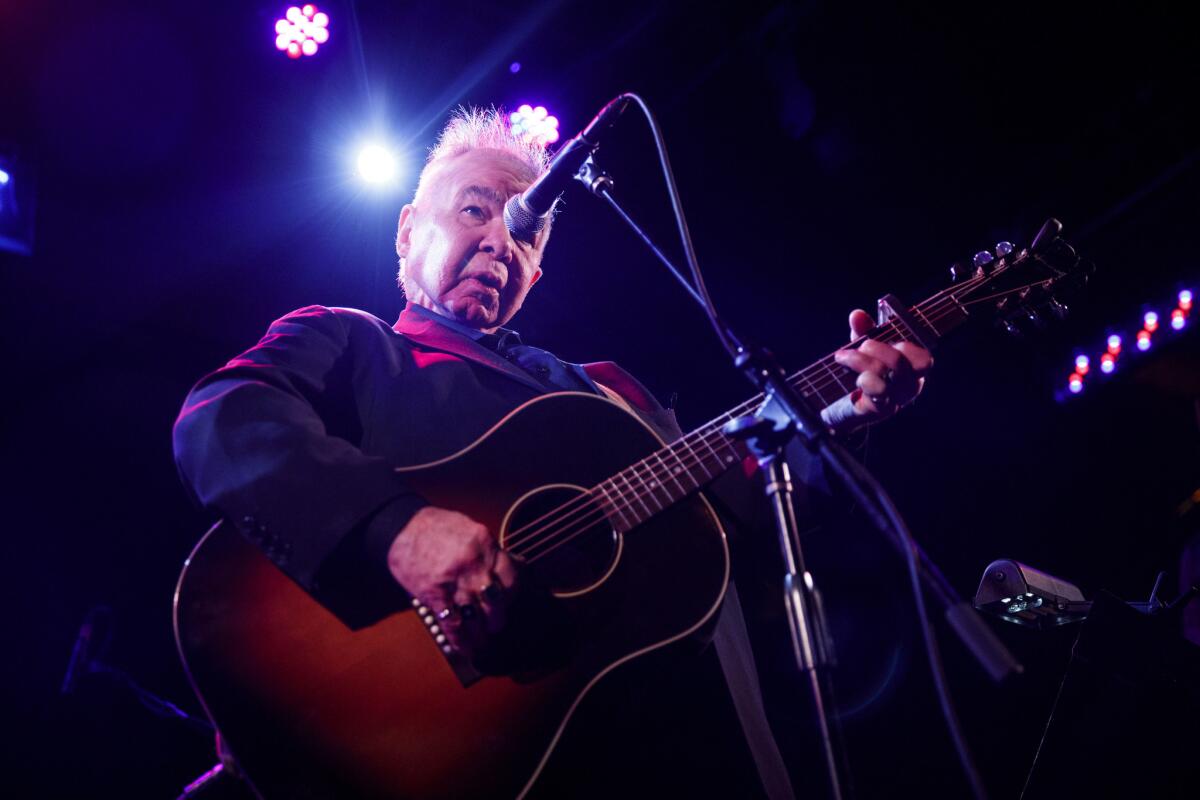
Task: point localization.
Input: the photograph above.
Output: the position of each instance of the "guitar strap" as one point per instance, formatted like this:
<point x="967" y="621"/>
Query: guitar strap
<point x="732" y="642"/>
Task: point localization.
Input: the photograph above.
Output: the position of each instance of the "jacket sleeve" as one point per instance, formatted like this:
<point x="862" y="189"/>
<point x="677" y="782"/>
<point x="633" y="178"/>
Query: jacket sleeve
<point x="269" y="441"/>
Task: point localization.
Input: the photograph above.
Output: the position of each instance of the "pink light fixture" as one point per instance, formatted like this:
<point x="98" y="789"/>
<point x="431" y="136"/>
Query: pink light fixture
<point x="302" y="30"/>
<point x="534" y="124"/>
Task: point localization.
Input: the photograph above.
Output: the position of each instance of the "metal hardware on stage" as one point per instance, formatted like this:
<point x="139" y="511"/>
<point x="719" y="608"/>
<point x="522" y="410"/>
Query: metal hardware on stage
<point x="1124" y="723"/>
<point x="1019" y="593"/>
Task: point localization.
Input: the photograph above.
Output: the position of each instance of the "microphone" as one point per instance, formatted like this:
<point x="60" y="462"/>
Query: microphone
<point x="525" y="214"/>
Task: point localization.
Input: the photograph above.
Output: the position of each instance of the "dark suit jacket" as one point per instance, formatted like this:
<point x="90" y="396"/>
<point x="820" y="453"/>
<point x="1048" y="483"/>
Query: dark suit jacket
<point x="295" y="440"/>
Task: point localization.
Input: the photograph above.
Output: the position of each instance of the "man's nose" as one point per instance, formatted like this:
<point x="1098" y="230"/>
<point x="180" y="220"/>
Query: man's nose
<point x="497" y="241"/>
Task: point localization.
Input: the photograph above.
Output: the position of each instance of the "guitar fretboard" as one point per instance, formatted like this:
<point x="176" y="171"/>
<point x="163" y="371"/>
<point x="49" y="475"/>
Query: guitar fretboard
<point x="684" y="467"/>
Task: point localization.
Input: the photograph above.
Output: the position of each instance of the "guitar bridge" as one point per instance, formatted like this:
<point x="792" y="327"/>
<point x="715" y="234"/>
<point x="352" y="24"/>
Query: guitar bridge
<point x="463" y="669"/>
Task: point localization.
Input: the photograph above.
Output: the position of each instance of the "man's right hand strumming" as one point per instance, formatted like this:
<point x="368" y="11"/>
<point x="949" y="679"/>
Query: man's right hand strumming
<point x="453" y="565"/>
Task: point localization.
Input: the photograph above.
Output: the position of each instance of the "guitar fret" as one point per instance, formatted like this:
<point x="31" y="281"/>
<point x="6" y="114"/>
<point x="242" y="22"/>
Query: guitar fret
<point x="831" y="391"/>
<point x="917" y="310"/>
<point x="811" y="389"/>
<point x="633" y="491"/>
<point x="840" y="375"/>
<point x="615" y="508"/>
<point x="682" y="469"/>
<point x="666" y="471"/>
<point x="700" y="462"/>
<point x="647" y="487"/>
<point x="901" y="327"/>
<point x="714" y="453"/>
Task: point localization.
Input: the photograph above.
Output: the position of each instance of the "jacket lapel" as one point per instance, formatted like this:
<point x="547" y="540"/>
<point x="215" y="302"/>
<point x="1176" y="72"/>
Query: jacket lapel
<point x="428" y="333"/>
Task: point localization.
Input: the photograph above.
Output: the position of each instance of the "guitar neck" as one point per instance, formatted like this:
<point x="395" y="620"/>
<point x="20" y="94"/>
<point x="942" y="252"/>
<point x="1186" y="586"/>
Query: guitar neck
<point x="686" y="466"/>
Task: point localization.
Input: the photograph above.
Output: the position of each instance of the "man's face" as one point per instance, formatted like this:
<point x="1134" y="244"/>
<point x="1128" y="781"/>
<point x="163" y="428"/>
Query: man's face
<point x="459" y="259"/>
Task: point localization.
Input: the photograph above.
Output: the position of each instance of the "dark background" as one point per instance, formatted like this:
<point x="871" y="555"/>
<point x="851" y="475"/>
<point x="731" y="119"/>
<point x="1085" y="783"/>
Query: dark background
<point x="193" y="184"/>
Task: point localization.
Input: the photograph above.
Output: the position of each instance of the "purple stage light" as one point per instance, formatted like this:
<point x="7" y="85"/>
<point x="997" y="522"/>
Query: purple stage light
<point x="1114" y="344"/>
<point x="534" y="124"/>
<point x="1082" y="364"/>
<point x="1075" y="383"/>
<point x="1178" y="319"/>
<point x="1151" y="321"/>
<point x="301" y="31"/>
<point x="1107" y="363"/>
<point x="1185" y="299"/>
<point x="514" y="67"/>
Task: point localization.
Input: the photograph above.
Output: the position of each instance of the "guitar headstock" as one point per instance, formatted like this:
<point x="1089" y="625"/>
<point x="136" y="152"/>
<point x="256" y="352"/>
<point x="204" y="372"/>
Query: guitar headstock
<point x="1021" y="287"/>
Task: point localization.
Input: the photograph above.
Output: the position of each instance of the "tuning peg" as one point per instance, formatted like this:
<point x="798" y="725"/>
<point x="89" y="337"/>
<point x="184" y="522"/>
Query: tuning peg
<point x="1035" y="318"/>
<point x="1004" y="249"/>
<point x="1049" y="232"/>
<point x="1011" y="328"/>
<point x="1058" y="309"/>
<point x="982" y="259"/>
<point x="959" y="271"/>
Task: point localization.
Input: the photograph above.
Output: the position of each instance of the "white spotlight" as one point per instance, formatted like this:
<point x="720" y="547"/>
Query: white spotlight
<point x="376" y="164"/>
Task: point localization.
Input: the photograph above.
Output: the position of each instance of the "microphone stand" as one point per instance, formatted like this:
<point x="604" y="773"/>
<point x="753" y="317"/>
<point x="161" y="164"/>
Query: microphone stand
<point x="767" y="432"/>
<point x="783" y="415"/>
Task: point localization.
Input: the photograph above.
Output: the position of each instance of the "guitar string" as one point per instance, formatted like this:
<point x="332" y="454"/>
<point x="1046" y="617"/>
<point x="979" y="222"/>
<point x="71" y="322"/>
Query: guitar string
<point x="590" y="502"/>
<point x="589" y="521"/>
<point x="825" y="378"/>
<point x="643" y="469"/>
<point x="643" y="473"/>
<point x="524" y="538"/>
<point x="529" y="537"/>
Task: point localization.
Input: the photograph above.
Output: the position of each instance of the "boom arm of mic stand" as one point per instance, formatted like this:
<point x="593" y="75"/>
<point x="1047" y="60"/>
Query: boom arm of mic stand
<point x="973" y="631"/>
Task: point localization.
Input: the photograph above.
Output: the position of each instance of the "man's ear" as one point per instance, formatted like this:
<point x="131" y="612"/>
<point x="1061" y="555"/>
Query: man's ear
<point x="404" y="230"/>
<point x="537" y="276"/>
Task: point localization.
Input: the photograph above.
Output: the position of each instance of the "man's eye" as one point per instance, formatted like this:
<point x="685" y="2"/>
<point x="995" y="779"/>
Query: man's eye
<point x="474" y="211"/>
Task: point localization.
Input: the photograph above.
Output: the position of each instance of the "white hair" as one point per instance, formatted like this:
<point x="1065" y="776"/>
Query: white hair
<point x="472" y="128"/>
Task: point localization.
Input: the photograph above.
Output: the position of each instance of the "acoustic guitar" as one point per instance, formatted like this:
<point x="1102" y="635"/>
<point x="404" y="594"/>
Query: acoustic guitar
<point x="607" y="521"/>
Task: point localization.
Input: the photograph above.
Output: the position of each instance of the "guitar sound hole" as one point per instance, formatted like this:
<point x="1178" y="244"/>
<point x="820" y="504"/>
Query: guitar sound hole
<point x="572" y="549"/>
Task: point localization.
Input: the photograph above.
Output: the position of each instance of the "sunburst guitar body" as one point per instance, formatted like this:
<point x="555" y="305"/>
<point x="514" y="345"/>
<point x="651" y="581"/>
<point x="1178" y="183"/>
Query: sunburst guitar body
<point x="312" y="709"/>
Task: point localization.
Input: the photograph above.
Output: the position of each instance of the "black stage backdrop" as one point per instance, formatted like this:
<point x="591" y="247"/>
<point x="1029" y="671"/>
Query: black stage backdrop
<point x="193" y="184"/>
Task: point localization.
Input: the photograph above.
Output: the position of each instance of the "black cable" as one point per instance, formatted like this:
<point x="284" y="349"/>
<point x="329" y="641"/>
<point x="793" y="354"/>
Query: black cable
<point x="884" y="510"/>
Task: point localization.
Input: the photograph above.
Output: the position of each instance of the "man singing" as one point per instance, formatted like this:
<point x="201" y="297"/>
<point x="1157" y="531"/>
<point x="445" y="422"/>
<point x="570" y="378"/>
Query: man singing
<point x="296" y="440"/>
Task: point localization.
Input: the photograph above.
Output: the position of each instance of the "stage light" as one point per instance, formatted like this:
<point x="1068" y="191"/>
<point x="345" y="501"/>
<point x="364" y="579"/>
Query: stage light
<point x="1075" y="383"/>
<point x="1143" y="340"/>
<point x="1151" y="320"/>
<point x="376" y="164"/>
<point x="1107" y="363"/>
<point x="1082" y="364"/>
<point x="1178" y="319"/>
<point x="1114" y="344"/>
<point x="301" y="31"/>
<point x="16" y="206"/>
<point x="514" y="67"/>
<point x="1185" y="299"/>
<point x="534" y="124"/>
